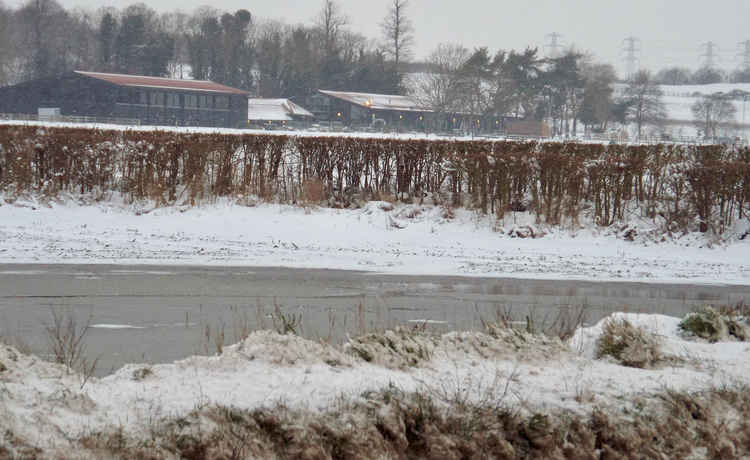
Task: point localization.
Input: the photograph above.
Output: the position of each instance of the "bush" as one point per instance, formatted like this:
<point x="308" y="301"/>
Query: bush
<point x="706" y="324"/>
<point x="630" y="345"/>
<point x="716" y="325"/>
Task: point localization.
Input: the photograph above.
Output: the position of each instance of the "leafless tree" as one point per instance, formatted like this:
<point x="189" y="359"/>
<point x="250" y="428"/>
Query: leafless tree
<point x="644" y="101"/>
<point x="710" y="111"/>
<point x="329" y="24"/>
<point x="176" y="24"/>
<point x="6" y="47"/>
<point x="43" y="24"/>
<point x="398" y="32"/>
<point x="596" y="108"/>
<point x="674" y="76"/>
<point x="439" y="89"/>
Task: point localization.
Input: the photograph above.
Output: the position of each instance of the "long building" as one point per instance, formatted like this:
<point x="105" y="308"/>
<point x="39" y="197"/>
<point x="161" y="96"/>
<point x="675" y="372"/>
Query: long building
<point x="390" y="112"/>
<point x="151" y="100"/>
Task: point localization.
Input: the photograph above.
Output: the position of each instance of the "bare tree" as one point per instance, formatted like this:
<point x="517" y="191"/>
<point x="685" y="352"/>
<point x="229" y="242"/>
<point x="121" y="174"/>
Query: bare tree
<point x="710" y="111"/>
<point x="6" y="45"/>
<point x="596" y="109"/>
<point x="674" y="76"/>
<point x="329" y="23"/>
<point x="440" y="89"/>
<point x="398" y="32"/>
<point x="643" y="99"/>
<point x="43" y="25"/>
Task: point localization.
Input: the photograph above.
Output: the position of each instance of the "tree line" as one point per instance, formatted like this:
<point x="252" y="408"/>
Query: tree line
<point x="702" y="76"/>
<point x="272" y="59"/>
<point x="41" y="39"/>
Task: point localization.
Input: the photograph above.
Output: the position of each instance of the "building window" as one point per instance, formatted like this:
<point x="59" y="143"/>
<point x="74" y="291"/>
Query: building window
<point x="173" y="100"/>
<point x="222" y="102"/>
<point x="142" y="98"/>
<point x="157" y="99"/>
<point x="123" y="95"/>
<point x="191" y="101"/>
<point x="203" y="102"/>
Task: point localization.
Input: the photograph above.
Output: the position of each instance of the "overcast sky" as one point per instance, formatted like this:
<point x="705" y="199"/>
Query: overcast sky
<point x="671" y="32"/>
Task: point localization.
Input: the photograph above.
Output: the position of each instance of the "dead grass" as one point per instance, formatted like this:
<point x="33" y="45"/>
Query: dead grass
<point x="630" y="345"/>
<point x="66" y="337"/>
<point x="392" y="424"/>
<point x="313" y="192"/>
<point x="718" y="324"/>
<point x="400" y="348"/>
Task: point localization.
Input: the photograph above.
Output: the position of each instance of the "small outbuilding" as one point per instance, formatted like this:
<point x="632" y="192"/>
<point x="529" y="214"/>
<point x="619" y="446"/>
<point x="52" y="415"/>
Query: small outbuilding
<point x="151" y="100"/>
<point x="277" y="114"/>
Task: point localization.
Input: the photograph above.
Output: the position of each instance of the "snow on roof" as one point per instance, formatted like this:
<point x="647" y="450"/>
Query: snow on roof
<point x="275" y="110"/>
<point x="160" y="82"/>
<point x="378" y="101"/>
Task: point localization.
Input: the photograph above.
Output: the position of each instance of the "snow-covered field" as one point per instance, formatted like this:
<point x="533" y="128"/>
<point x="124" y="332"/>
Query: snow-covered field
<point x="47" y="406"/>
<point x="679" y="99"/>
<point x="379" y="237"/>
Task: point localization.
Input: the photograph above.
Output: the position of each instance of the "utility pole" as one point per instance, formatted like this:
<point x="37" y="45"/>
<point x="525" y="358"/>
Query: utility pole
<point x="632" y="50"/>
<point x="709" y="55"/>
<point x="744" y="54"/>
<point x="554" y="45"/>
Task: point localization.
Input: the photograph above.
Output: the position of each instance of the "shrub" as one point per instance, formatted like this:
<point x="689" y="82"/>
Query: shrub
<point x="630" y="345"/>
<point x="716" y="325"/>
<point x="706" y="324"/>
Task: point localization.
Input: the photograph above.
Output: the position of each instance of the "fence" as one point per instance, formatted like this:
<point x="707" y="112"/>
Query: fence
<point x="70" y="119"/>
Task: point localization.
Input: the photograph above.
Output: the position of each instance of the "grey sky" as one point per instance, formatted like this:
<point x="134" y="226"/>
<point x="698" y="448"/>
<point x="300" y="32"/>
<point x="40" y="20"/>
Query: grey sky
<point x="671" y="31"/>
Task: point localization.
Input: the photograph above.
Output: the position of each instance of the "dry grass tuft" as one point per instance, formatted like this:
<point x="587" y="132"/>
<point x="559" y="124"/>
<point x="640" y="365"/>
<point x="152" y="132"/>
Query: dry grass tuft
<point x="718" y="324"/>
<point x="400" y="348"/>
<point x="630" y="345"/>
<point x="313" y="192"/>
<point x="394" y="424"/>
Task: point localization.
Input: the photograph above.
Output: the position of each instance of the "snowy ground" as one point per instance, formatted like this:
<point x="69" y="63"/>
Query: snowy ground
<point x="45" y="405"/>
<point x="405" y="239"/>
<point x="48" y="406"/>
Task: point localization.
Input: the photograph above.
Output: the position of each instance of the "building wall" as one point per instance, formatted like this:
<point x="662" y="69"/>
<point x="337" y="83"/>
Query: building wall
<point x="70" y="93"/>
<point x="78" y="95"/>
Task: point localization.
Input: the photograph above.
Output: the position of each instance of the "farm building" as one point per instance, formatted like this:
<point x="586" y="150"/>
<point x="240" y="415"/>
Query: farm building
<point x="277" y="114"/>
<point x="359" y="110"/>
<point x="151" y="100"/>
<point x="404" y="113"/>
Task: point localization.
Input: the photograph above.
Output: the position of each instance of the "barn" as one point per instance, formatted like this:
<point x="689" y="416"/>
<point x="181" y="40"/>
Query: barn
<point x="361" y="110"/>
<point x="151" y="100"/>
<point x="404" y="113"/>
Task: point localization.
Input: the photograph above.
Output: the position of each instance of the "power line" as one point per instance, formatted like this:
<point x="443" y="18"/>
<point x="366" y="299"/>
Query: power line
<point x="554" y="45"/>
<point x="709" y="56"/>
<point x="632" y="50"/>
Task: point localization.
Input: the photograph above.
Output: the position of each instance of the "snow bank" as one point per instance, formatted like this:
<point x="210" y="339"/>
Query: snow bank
<point x="46" y="404"/>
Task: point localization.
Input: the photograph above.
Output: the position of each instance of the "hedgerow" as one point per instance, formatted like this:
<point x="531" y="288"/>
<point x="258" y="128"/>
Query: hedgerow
<point x="682" y="184"/>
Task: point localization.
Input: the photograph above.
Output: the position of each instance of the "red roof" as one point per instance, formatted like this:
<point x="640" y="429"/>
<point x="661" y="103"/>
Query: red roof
<point x="166" y="83"/>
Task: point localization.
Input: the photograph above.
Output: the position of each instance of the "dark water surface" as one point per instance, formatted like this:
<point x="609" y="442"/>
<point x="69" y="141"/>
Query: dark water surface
<point x="162" y="313"/>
